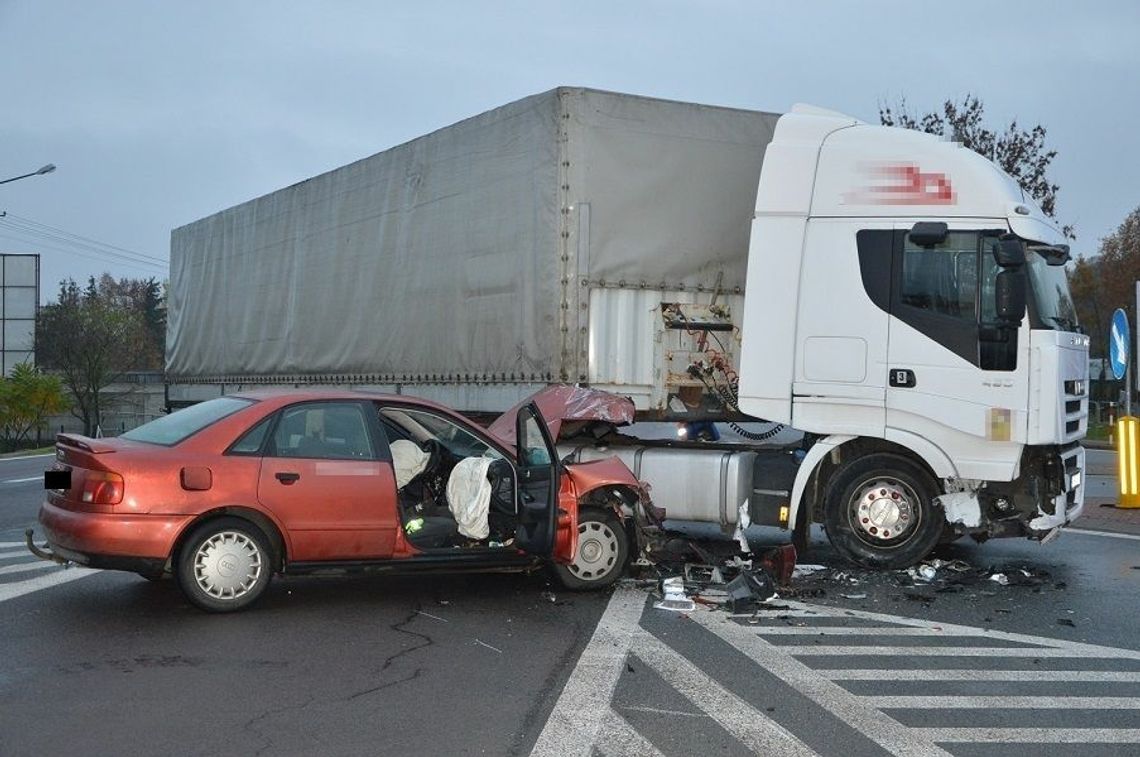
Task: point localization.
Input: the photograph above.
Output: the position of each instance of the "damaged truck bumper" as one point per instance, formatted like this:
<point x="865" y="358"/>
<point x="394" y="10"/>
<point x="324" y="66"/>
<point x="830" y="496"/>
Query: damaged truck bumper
<point x="1047" y="495"/>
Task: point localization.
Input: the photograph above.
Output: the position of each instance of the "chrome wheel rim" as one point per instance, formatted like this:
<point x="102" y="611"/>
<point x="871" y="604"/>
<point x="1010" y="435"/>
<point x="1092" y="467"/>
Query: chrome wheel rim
<point x="598" y="551"/>
<point x="228" y="565"/>
<point x="884" y="511"/>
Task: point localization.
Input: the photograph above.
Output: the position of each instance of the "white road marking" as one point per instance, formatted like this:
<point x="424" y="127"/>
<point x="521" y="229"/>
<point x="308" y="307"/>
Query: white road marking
<point x="13" y="544"/>
<point x="754" y="729"/>
<point x="19" y="589"/>
<point x="807" y="650"/>
<point x="22" y="480"/>
<point x="1085" y="532"/>
<point x="619" y="739"/>
<point x="1010" y="702"/>
<point x="582" y="709"/>
<point x="26" y="567"/>
<point x="1032" y="735"/>
<point x="28" y="457"/>
<point x="1081" y="676"/>
<point x="855" y="631"/>
<point x="887" y="733"/>
<point x="14" y="552"/>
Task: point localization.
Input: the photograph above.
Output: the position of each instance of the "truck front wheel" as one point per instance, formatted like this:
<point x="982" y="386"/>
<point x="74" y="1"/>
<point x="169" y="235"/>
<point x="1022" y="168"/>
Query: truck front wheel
<point x="880" y="511"/>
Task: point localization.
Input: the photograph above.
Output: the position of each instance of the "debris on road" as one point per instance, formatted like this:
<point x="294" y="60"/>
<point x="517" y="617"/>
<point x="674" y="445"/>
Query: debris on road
<point x="675" y="598"/>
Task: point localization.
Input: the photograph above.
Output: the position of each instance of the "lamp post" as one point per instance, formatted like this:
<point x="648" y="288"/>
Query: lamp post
<point x="46" y="169"/>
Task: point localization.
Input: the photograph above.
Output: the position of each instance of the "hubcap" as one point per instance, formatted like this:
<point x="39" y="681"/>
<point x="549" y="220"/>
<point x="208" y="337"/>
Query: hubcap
<point x="597" y="551"/>
<point x="885" y="510"/>
<point x="227" y="565"/>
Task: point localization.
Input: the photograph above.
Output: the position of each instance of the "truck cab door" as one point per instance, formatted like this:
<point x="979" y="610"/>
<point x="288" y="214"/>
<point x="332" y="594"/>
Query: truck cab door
<point x="538" y="479"/>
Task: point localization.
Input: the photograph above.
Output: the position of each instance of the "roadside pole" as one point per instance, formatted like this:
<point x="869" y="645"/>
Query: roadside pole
<point x="1119" y="343"/>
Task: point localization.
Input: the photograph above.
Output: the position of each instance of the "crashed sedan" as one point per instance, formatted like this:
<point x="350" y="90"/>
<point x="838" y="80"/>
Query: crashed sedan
<point x="225" y="494"/>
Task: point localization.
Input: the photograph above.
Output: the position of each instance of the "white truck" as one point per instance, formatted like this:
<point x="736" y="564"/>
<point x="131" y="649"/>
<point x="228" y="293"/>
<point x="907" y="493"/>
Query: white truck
<point x="896" y="298"/>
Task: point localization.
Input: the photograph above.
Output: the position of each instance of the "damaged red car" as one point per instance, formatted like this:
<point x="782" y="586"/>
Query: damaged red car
<point x="225" y="494"/>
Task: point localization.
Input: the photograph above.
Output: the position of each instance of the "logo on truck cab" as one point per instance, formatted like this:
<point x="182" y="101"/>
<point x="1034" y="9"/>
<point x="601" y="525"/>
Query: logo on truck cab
<point x="902" y="184"/>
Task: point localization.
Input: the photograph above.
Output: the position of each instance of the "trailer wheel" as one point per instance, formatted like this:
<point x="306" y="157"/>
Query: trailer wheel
<point x="603" y="549"/>
<point x="880" y="511"/>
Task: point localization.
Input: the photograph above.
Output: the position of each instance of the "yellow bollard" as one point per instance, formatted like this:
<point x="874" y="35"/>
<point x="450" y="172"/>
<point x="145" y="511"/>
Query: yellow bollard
<point x="1126" y="440"/>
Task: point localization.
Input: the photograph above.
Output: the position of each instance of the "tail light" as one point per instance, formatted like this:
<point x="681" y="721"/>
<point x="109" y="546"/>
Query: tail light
<point x="102" y="488"/>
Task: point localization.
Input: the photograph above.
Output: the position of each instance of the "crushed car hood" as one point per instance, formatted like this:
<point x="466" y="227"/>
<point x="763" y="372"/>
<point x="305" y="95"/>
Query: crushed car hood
<point x="561" y="403"/>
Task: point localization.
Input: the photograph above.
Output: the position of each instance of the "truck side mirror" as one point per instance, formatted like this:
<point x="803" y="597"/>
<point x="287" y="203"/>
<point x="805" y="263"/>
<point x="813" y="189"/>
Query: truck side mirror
<point x="1009" y="295"/>
<point x="1009" y="253"/>
<point x="929" y="233"/>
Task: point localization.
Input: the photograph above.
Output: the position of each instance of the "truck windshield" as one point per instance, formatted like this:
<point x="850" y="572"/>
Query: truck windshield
<point x="1051" y="293"/>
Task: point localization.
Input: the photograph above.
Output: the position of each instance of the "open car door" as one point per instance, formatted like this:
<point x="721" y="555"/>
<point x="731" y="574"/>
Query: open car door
<point x="538" y="483"/>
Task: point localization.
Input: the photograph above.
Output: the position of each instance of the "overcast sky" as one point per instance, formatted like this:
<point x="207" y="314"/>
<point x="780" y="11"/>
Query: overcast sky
<point x="160" y="113"/>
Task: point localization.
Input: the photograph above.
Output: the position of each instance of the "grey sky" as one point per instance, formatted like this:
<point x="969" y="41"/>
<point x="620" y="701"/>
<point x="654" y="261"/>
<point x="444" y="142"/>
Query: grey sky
<point x="160" y="113"/>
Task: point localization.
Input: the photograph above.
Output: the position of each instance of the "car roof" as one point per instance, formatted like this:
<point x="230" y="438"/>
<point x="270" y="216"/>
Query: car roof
<point x="287" y="395"/>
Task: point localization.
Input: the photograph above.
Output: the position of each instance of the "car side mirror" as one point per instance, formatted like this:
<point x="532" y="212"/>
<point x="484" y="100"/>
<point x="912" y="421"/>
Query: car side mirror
<point x="1009" y="296"/>
<point x="1009" y="253"/>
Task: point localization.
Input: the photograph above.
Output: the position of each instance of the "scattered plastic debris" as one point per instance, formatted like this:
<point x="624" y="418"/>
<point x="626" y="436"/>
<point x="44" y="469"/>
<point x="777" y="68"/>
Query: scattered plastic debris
<point x="748" y="589"/>
<point x="853" y="596"/>
<point x="1066" y="622"/>
<point x="1000" y="578"/>
<point x="433" y="617"/>
<point x="675" y="598"/>
<point x="549" y="596"/>
<point x="485" y="644"/>
<point x="806" y="570"/>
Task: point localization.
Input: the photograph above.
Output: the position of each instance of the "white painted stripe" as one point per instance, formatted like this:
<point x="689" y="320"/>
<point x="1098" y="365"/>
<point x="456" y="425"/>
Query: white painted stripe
<point x="619" y="739"/>
<point x="28" y="457"/>
<point x="13" y="544"/>
<point x="1012" y="702"/>
<point x="15" y="552"/>
<point x="11" y="591"/>
<point x="22" y="480"/>
<point x="789" y="613"/>
<point x="1086" y="532"/>
<point x="1083" y="676"/>
<point x="1089" y="650"/>
<point x="826" y="651"/>
<point x="27" y="567"/>
<point x="886" y="732"/>
<point x="580" y="712"/>
<point x="858" y="631"/>
<point x="1031" y="735"/>
<point x="759" y="733"/>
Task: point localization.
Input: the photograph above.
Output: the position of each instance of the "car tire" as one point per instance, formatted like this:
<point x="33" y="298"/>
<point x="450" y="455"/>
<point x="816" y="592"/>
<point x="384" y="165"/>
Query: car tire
<point x="880" y="511"/>
<point x="603" y="549"/>
<point x="225" y="565"/>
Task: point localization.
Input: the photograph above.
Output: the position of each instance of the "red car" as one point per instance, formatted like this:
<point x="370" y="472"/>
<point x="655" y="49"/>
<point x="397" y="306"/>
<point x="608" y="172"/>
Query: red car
<point x="224" y="494"/>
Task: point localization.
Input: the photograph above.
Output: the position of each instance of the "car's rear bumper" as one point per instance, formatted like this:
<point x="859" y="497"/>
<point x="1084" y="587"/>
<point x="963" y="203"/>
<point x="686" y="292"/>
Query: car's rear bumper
<point x="110" y="540"/>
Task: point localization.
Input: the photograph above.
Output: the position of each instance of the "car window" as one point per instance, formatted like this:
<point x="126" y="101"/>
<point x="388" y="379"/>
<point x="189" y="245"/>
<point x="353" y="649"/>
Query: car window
<point x="323" y="430"/>
<point x="250" y="443"/>
<point x="419" y="426"/>
<point x="181" y="424"/>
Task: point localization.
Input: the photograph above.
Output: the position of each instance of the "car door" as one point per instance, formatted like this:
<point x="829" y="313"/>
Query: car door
<point x="538" y="482"/>
<point x="327" y="476"/>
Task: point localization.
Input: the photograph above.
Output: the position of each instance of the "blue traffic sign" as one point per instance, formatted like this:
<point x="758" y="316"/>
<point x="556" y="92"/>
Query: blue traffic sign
<point x="1118" y="344"/>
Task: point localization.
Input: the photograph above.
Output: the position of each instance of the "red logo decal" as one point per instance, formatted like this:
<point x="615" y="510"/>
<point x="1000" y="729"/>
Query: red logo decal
<point x="903" y="184"/>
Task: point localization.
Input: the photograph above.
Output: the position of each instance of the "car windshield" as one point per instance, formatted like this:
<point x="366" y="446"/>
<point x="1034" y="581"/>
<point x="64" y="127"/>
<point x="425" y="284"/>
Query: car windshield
<point x="181" y="424"/>
<point x="1051" y="293"/>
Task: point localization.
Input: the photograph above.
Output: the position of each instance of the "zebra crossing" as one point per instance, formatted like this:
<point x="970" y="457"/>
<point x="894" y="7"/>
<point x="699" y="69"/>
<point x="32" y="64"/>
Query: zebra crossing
<point x="22" y="573"/>
<point x="813" y="679"/>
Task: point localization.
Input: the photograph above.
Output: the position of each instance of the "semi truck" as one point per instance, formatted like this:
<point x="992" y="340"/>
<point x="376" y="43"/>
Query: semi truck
<point x="894" y="297"/>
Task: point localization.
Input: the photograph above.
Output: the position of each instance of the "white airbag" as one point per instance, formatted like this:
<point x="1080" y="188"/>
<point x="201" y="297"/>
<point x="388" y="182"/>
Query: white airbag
<point x="469" y="496"/>
<point x="408" y="460"/>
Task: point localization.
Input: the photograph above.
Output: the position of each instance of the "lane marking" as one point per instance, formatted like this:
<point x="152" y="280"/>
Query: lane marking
<point x="1032" y="735"/>
<point x="28" y="457"/>
<point x="22" y="480"/>
<point x="852" y="710"/>
<point x="13" y="590"/>
<point x="584" y="706"/>
<point x="1109" y="534"/>
<point x="620" y="739"/>
<point x="12" y="552"/>
<point x="27" y="567"/>
<point x="1073" y="676"/>
<point x="855" y="651"/>
<point x="1005" y="702"/>
<point x="754" y="729"/>
<point x="856" y="631"/>
<point x="13" y="544"/>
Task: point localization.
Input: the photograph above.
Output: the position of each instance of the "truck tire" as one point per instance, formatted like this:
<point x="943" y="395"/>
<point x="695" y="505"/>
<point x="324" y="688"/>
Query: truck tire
<point x="603" y="548"/>
<point x="224" y="565"/>
<point x="880" y="511"/>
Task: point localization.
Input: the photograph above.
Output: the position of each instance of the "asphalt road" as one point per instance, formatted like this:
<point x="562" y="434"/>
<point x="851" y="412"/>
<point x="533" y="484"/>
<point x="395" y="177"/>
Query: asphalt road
<point x="108" y="663"/>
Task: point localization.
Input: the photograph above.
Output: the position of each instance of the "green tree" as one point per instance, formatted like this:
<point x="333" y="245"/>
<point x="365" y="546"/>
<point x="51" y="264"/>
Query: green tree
<point x="1020" y="152"/>
<point x="27" y="397"/>
<point x="92" y="338"/>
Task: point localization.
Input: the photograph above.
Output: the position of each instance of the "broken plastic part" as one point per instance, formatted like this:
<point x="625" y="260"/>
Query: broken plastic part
<point x="675" y="599"/>
<point x="750" y="587"/>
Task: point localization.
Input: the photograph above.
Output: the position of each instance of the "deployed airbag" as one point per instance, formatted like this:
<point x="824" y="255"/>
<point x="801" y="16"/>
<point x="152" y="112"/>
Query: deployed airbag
<point x="408" y="460"/>
<point x="469" y="496"/>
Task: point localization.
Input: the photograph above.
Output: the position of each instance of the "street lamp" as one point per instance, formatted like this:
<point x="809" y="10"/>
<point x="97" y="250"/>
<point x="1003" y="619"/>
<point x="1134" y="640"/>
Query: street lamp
<point x="46" y="169"/>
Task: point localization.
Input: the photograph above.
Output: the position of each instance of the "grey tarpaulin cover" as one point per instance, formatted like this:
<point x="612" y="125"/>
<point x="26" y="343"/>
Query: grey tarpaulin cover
<point x="466" y="253"/>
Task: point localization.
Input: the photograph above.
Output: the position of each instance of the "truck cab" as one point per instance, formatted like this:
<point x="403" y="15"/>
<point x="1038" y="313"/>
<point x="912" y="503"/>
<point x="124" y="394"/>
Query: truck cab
<point x="908" y="310"/>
